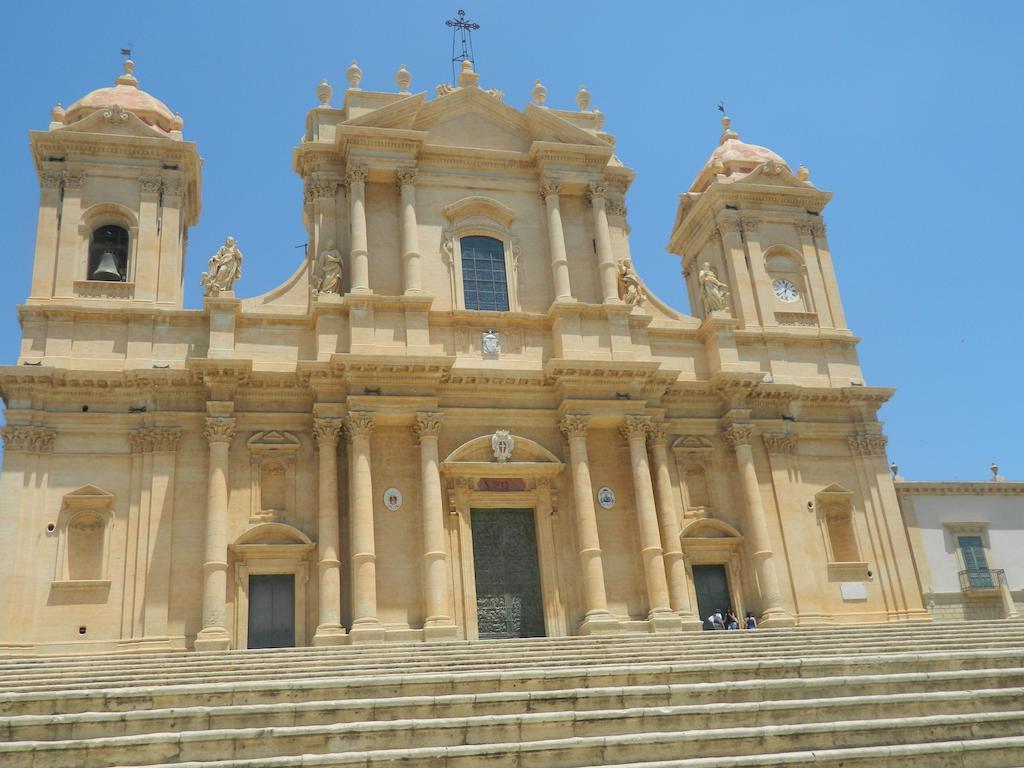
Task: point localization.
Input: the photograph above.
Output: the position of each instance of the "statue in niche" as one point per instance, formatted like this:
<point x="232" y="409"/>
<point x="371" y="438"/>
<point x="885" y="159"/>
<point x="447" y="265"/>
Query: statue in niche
<point x="328" y="278"/>
<point x="224" y="269"/>
<point x="630" y="289"/>
<point x="713" y="292"/>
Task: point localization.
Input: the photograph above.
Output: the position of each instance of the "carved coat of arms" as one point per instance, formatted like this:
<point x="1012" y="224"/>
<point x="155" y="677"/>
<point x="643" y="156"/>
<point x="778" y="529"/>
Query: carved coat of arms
<point x="502" y="444"/>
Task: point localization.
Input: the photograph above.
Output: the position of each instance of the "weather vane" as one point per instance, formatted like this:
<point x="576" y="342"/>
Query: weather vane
<point x="127" y="51"/>
<point x="721" y="107"/>
<point x="462" y="32"/>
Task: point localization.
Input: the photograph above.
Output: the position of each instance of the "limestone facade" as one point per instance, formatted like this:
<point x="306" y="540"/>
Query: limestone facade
<point x="486" y="346"/>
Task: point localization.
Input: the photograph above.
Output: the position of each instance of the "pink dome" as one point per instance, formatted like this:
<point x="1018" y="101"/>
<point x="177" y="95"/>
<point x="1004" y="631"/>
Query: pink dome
<point x="733" y="157"/>
<point x="126" y="94"/>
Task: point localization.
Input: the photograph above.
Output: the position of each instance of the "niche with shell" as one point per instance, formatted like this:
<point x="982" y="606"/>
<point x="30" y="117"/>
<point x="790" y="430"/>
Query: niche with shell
<point x="272" y="457"/>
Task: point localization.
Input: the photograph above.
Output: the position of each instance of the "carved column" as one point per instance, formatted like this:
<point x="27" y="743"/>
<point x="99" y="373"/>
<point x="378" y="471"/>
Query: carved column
<point x="634" y="430"/>
<point x="410" y="235"/>
<point x="668" y="521"/>
<point x="365" y="624"/>
<point x="329" y="630"/>
<point x="605" y="257"/>
<point x="739" y="437"/>
<point x="359" y="253"/>
<point x="214" y="634"/>
<point x="556" y="241"/>
<point x="595" y="599"/>
<point x="438" y="623"/>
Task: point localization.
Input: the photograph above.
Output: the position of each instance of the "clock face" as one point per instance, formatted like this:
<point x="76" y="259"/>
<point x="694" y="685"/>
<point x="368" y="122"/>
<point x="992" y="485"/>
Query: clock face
<point x="785" y="290"/>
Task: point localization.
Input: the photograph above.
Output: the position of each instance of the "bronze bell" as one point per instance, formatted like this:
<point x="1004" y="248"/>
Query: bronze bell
<point x="106" y="268"/>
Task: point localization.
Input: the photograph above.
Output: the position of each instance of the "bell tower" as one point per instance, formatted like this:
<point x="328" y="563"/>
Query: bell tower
<point x="755" y="226"/>
<point x="119" y="190"/>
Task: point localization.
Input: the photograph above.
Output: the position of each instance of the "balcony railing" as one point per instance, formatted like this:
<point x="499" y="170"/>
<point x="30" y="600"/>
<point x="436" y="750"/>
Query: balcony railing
<point x="981" y="579"/>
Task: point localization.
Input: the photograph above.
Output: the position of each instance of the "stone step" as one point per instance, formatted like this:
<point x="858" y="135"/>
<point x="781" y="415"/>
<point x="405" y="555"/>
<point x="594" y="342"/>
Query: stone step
<point x="484" y="729"/>
<point x="459" y="648"/>
<point x="974" y="753"/>
<point x="296" y="688"/>
<point x="770" y="694"/>
<point x="317" y="665"/>
<point x="607" y="750"/>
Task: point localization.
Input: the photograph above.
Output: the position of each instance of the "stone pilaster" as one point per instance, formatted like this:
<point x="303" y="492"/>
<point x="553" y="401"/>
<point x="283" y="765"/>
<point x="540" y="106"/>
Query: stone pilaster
<point x="214" y="635"/>
<point x="739" y="437"/>
<point x="438" y="624"/>
<point x="634" y="431"/>
<point x="597" y="618"/>
<point x="365" y="624"/>
<point x="329" y="630"/>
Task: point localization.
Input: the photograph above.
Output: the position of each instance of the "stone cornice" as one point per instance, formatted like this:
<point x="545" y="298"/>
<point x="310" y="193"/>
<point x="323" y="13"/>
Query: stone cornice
<point x="958" y="488"/>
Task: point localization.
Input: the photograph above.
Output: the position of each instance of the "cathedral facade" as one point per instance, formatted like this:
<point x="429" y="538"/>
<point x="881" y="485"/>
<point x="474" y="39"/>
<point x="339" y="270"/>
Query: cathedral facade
<point x="464" y="415"/>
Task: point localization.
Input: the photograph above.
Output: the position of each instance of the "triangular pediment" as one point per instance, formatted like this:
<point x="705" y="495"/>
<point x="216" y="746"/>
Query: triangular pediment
<point x="834" y="489"/>
<point x="273" y="440"/>
<point x="470" y="117"/>
<point x="547" y="126"/>
<point x="114" y="123"/>
<point x="400" y="114"/>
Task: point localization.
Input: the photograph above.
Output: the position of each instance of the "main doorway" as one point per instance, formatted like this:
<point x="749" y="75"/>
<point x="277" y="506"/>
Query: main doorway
<point x="712" y="587"/>
<point x="272" y="610"/>
<point x="508" y="596"/>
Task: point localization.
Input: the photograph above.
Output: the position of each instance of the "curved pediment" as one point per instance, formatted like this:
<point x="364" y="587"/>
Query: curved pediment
<point x="708" y="528"/>
<point x="524" y="450"/>
<point x="271" y="534"/>
<point x="479" y="205"/>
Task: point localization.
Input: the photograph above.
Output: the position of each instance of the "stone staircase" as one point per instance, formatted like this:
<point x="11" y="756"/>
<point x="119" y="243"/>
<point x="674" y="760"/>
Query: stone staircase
<point x="921" y="695"/>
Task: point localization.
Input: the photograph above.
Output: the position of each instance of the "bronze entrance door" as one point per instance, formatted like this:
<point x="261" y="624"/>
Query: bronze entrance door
<point x="712" y="588"/>
<point x="272" y="611"/>
<point x="508" y="598"/>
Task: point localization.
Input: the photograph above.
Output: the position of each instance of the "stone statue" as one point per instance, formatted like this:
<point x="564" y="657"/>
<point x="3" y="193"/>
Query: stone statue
<point x="630" y="289"/>
<point x="224" y="269"/>
<point x="713" y="292"/>
<point x="328" y="279"/>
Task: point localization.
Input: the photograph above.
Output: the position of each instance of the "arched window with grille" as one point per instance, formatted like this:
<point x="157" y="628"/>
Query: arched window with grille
<point x="108" y="254"/>
<point x="484" y="280"/>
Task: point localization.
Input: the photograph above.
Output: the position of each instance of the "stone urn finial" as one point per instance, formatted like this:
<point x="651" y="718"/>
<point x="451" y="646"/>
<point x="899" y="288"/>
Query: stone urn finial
<point x="354" y="75"/>
<point x="539" y="93"/>
<point x="324" y="92"/>
<point x="583" y="98"/>
<point x="402" y="79"/>
<point x="802" y="173"/>
<point x="57" y="114"/>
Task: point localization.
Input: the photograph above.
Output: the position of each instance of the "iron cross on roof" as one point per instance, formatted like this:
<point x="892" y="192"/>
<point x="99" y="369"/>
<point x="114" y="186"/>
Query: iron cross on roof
<point x="462" y="31"/>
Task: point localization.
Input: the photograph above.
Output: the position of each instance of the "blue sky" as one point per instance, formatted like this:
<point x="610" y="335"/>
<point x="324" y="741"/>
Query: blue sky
<point x="906" y="111"/>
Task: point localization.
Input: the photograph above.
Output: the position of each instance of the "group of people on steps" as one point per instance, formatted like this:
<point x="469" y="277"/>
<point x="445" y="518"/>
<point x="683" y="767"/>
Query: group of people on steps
<point x="729" y="621"/>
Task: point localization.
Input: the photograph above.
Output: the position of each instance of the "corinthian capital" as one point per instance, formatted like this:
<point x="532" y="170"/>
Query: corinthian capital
<point x="550" y="188"/>
<point x="357" y="174"/>
<point x="406" y="175"/>
<point x="50" y="179"/>
<point x="739" y="434"/>
<point x="428" y="424"/>
<point x="635" y="428"/>
<point x="165" y="439"/>
<point x="29" y="439"/>
<point x="150" y="184"/>
<point x="74" y="179"/>
<point x="596" y="192"/>
<point x="779" y="442"/>
<point x="360" y="423"/>
<point x="574" y="425"/>
<point x="868" y="445"/>
<point x="219" y="430"/>
<point x="326" y="431"/>
<point x="658" y="433"/>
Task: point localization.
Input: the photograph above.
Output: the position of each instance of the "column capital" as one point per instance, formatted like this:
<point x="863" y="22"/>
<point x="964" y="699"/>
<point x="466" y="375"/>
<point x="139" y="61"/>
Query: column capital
<point x="428" y="424"/>
<point x="150" y="183"/>
<point x="868" y="445"/>
<point x="779" y="442"/>
<point x="406" y="175"/>
<point x="574" y="425"/>
<point x="357" y="174"/>
<point x="219" y="430"/>
<point x="616" y="207"/>
<point x="360" y="423"/>
<point x="326" y="431"/>
<point x="74" y="179"/>
<point x="51" y="179"/>
<point x="550" y="188"/>
<point x="635" y="428"/>
<point x="810" y="228"/>
<point x="739" y="434"/>
<point x="596" y="192"/>
<point x="29" y="439"/>
<point x="658" y="433"/>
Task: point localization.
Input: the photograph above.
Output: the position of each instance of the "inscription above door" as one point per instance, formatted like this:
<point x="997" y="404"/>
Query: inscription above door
<point x="508" y="595"/>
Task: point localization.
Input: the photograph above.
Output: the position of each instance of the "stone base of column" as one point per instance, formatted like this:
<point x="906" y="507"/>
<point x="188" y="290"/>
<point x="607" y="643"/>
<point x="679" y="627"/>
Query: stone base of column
<point x="691" y="623"/>
<point x="371" y="632"/>
<point x="329" y="634"/>
<point x="213" y="639"/>
<point x="600" y="625"/>
<point x="434" y="632"/>
<point x="664" y="621"/>
<point x="776" y="620"/>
